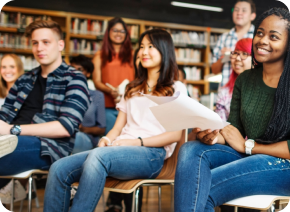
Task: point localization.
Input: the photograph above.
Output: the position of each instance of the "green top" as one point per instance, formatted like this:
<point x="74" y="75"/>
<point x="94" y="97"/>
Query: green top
<point x="252" y="104"/>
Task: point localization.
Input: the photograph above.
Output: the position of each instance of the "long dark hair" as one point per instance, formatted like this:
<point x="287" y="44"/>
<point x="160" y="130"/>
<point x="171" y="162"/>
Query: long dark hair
<point x="162" y="41"/>
<point x="278" y="125"/>
<point x="108" y="51"/>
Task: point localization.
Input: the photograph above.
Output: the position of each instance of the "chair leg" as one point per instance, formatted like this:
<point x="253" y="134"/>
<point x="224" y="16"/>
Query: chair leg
<point x="103" y="198"/>
<point x="236" y="209"/>
<point x="133" y="201"/>
<point x="159" y="198"/>
<point x="12" y="197"/>
<point x="21" y="206"/>
<point x="172" y="198"/>
<point x="29" y="193"/>
<point x="137" y="199"/>
<point x="147" y="196"/>
<point x="35" y="189"/>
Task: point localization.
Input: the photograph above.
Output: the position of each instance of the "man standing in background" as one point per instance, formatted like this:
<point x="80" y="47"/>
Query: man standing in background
<point x="244" y="12"/>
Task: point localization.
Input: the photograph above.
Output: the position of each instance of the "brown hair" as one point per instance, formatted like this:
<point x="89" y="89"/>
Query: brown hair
<point x="20" y="70"/>
<point x="43" y="24"/>
<point x="168" y="72"/>
<point x="253" y="6"/>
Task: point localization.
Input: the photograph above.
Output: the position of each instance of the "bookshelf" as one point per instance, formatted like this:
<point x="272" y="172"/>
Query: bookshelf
<point x="84" y="33"/>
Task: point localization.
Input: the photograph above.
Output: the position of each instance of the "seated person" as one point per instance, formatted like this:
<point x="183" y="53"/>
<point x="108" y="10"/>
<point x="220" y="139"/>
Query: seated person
<point x="137" y="145"/>
<point x="42" y="111"/>
<point x="94" y="123"/>
<point x="240" y="61"/>
<point x="11" y="68"/>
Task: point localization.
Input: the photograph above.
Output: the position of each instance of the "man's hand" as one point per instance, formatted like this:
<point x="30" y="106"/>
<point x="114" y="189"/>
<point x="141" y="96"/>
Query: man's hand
<point x="192" y="135"/>
<point x="127" y="142"/>
<point x="208" y="137"/>
<point x="4" y="128"/>
<point x="114" y="93"/>
<point x="224" y="50"/>
<point x="234" y="138"/>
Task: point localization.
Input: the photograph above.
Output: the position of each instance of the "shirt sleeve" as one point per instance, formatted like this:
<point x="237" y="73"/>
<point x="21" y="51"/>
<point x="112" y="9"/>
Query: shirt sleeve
<point x="220" y="105"/>
<point x="75" y="104"/>
<point x="234" y="117"/>
<point x="217" y="49"/>
<point x="100" y="116"/>
<point x="122" y="105"/>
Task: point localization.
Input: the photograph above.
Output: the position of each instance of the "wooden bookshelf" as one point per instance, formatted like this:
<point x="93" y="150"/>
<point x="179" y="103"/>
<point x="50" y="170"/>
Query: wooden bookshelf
<point x="65" y="20"/>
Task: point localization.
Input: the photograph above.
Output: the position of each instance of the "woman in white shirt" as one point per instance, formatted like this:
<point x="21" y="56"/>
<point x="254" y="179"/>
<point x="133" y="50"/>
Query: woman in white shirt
<point x="11" y="68"/>
<point x="137" y="145"/>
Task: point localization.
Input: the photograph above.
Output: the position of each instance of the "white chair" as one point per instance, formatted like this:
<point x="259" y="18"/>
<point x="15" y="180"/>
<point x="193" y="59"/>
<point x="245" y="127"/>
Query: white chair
<point x="31" y="183"/>
<point x="260" y="202"/>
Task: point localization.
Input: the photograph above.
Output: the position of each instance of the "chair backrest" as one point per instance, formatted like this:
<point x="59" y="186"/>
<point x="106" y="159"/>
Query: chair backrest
<point x="168" y="170"/>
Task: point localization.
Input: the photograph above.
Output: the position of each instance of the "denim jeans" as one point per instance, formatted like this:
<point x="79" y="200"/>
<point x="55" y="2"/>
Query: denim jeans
<point x="111" y="116"/>
<point x="26" y="156"/>
<point x="82" y="143"/>
<point x="91" y="168"/>
<point x="208" y="176"/>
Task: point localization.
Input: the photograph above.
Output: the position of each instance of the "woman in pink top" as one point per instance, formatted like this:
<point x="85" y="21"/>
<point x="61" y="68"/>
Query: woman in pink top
<point x="137" y="145"/>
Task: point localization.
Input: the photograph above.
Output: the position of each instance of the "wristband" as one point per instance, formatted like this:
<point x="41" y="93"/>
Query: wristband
<point x="106" y="138"/>
<point x="141" y="141"/>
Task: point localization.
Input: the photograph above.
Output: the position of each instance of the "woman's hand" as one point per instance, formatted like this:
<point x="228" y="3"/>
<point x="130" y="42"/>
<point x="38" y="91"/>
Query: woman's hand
<point x="208" y="136"/>
<point x="192" y="135"/>
<point x="104" y="142"/>
<point x="127" y="142"/>
<point x="5" y="128"/>
<point x="234" y="138"/>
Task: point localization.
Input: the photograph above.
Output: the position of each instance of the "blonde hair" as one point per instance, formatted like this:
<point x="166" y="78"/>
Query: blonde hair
<point x="43" y="24"/>
<point x="20" y="70"/>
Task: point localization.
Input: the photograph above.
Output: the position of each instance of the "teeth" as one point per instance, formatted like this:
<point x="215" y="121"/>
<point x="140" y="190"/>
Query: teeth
<point x="262" y="50"/>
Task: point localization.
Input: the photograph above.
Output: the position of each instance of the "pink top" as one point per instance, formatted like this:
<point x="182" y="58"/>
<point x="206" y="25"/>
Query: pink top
<point x="140" y="120"/>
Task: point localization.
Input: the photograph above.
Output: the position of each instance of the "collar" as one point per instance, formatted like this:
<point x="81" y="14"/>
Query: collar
<point x="57" y="72"/>
<point x="232" y="32"/>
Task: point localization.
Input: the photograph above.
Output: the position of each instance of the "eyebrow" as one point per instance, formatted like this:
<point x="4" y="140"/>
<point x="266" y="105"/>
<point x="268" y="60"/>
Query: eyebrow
<point x="271" y="31"/>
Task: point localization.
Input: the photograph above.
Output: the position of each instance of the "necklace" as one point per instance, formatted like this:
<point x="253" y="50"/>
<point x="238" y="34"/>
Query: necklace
<point x="149" y="88"/>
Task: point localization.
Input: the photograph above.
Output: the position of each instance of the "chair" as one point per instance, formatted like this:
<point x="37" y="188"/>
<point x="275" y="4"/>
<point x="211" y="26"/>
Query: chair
<point x="260" y="202"/>
<point x="166" y="177"/>
<point x="31" y="182"/>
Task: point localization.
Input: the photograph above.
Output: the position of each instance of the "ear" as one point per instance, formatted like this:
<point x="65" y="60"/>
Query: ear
<point x="61" y="45"/>
<point x="253" y="16"/>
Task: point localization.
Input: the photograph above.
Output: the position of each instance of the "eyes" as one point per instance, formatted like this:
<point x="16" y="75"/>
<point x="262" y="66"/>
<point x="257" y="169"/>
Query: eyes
<point x="272" y="36"/>
<point x="149" y="46"/>
<point x="36" y="43"/>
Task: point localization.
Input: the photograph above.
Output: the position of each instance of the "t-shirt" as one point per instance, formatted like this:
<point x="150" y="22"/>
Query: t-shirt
<point x="252" y="104"/>
<point x="33" y="103"/>
<point x="140" y="120"/>
<point x="223" y="103"/>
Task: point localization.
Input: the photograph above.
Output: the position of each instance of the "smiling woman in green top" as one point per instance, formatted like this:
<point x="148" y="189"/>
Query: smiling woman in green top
<point x="221" y="165"/>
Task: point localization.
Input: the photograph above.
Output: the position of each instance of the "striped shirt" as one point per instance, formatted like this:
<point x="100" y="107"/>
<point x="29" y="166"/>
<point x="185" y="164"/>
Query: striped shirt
<point x="228" y="40"/>
<point x="66" y="100"/>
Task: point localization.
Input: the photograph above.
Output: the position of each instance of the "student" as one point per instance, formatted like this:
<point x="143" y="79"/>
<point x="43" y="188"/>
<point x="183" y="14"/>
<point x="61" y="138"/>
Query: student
<point x="137" y="145"/>
<point x="244" y="13"/>
<point x="113" y="64"/>
<point x="43" y="108"/>
<point x="11" y="68"/>
<point x="240" y="61"/>
<point x="94" y="122"/>
<point x="210" y="173"/>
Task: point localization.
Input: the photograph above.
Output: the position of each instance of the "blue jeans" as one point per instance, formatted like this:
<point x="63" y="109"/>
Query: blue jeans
<point x="82" y="143"/>
<point x="26" y="156"/>
<point x="111" y="116"/>
<point x="91" y="168"/>
<point x="208" y="176"/>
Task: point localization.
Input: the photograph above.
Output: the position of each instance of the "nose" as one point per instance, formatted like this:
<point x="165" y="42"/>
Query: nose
<point x="239" y="57"/>
<point x="39" y="46"/>
<point x="264" y="40"/>
<point x="144" y="51"/>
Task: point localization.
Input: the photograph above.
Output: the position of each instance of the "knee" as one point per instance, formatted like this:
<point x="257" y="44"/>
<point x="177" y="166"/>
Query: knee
<point x="191" y="149"/>
<point x="98" y="156"/>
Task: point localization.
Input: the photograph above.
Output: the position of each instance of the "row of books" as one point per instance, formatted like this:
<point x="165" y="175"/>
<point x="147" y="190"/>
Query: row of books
<point x="28" y="61"/>
<point x="88" y="27"/>
<point x="18" y="20"/>
<point x="192" y="73"/>
<point x="188" y="55"/>
<point x="189" y="38"/>
<point x="84" y="46"/>
<point x="133" y="31"/>
<point x="14" y="41"/>
<point x="193" y="91"/>
<point x="213" y="40"/>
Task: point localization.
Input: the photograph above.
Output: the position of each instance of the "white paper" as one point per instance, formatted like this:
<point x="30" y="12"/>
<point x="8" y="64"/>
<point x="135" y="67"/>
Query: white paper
<point x="181" y="112"/>
<point x="122" y="86"/>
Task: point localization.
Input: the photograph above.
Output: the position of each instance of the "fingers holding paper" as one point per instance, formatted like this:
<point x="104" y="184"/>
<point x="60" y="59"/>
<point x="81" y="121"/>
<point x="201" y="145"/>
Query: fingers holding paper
<point x="192" y="136"/>
<point x="208" y="136"/>
<point x="234" y="138"/>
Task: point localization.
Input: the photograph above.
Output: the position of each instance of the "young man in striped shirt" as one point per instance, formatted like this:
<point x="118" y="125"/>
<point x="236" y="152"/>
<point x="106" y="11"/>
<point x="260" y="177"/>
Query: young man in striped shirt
<point x="43" y="109"/>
